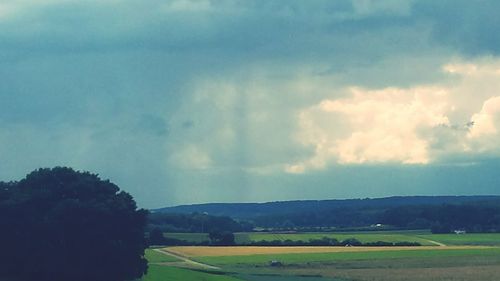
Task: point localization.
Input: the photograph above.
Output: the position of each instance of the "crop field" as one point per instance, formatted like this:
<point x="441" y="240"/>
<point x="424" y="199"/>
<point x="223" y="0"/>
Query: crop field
<point x="363" y="237"/>
<point x="421" y="237"/>
<point x="425" y="238"/>
<point x="462" y="258"/>
<point x="415" y="264"/>
<point x="486" y="239"/>
<point x="235" y="251"/>
<point x="361" y="254"/>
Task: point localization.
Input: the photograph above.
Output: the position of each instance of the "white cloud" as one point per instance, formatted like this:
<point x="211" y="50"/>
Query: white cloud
<point x="244" y="123"/>
<point x="416" y="125"/>
<point x="484" y="135"/>
<point x="487" y="120"/>
<point x="372" y="126"/>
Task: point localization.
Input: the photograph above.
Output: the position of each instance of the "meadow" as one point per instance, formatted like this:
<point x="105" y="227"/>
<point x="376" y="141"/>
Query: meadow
<point x="365" y="237"/>
<point x="425" y="238"/>
<point x="484" y="239"/>
<point x="155" y="257"/>
<point x="339" y="256"/>
<point x="170" y="273"/>
<point x="163" y="267"/>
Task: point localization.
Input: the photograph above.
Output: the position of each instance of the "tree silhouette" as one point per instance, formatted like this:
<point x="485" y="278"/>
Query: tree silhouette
<point x="221" y="238"/>
<point x="60" y="224"/>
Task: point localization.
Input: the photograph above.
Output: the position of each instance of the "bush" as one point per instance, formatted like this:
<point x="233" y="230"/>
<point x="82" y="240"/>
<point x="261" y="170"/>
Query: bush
<point x="351" y="242"/>
<point x="221" y="238"/>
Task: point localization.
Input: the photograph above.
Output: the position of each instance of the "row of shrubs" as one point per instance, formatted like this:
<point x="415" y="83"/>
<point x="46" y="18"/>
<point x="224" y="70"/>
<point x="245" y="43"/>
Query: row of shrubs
<point x="325" y="241"/>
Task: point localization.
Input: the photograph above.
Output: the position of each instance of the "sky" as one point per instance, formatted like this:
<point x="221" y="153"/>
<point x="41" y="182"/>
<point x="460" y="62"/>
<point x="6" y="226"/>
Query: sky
<point x="193" y="101"/>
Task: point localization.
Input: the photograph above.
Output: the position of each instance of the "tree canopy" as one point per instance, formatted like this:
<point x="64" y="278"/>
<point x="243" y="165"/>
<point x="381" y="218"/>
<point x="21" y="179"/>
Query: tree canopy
<point x="60" y="224"/>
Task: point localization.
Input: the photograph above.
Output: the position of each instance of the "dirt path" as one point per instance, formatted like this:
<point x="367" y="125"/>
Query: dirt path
<point x="186" y="260"/>
<point x="433" y="242"/>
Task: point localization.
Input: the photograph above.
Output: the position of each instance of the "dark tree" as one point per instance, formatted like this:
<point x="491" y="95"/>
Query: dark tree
<point x="59" y="224"/>
<point x="221" y="238"/>
<point x="351" y="242"/>
<point x="194" y="222"/>
<point x="156" y="237"/>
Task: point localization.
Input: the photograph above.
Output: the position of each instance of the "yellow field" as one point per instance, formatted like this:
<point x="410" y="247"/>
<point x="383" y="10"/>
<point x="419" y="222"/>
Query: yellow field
<point x="198" y="251"/>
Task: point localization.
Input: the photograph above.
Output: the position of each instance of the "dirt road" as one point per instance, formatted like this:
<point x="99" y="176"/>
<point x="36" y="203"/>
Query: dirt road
<point x="186" y="260"/>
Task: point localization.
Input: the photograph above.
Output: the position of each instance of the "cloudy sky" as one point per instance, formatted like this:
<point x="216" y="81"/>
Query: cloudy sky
<point x="189" y="101"/>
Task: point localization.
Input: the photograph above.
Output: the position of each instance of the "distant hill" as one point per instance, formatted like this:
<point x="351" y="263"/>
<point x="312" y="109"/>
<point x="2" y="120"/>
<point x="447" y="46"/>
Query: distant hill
<point x="252" y="210"/>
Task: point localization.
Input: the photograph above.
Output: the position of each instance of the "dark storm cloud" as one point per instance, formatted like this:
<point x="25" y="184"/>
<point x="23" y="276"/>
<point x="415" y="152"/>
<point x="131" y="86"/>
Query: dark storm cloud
<point x="175" y="98"/>
<point x="468" y="26"/>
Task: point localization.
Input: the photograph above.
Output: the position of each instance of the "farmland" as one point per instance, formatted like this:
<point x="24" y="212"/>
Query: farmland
<point x="362" y="237"/>
<point x="155" y="257"/>
<point x="169" y="273"/>
<point x="488" y="239"/>
<point x="242" y="238"/>
<point x="164" y="267"/>
<point x="358" y="263"/>
<point x="425" y="238"/>
<point x="331" y="253"/>
<point x="465" y="257"/>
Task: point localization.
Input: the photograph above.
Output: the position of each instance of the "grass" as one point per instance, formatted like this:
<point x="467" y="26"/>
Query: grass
<point x="422" y="237"/>
<point x="158" y="272"/>
<point x="365" y="237"/>
<point x="483" y="239"/>
<point x="460" y="260"/>
<point x="191" y="237"/>
<point x="274" y="277"/>
<point x="155" y="257"/>
<point x="167" y="273"/>
<point x="342" y="256"/>
<point x="438" y="272"/>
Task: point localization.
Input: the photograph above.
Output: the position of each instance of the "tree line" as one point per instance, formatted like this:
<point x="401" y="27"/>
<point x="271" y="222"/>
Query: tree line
<point x="196" y="222"/>
<point x="481" y="216"/>
<point x="446" y="218"/>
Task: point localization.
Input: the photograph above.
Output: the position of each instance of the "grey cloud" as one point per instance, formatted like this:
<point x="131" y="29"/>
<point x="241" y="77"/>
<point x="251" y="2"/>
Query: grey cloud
<point x="468" y="26"/>
<point x="111" y="86"/>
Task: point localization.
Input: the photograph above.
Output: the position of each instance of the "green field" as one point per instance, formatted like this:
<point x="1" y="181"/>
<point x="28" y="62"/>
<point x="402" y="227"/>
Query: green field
<point x="168" y="273"/>
<point x="191" y="237"/>
<point x="481" y="239"/>
<point x="260" y="260"/>
<point x="365" y="237"/>
<point x="440" y="263"/>
<point x="158" y="272"/>
<point x="416" y="264"/>
<point x="155" y="257"/>
<point x="425" y="238"/>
